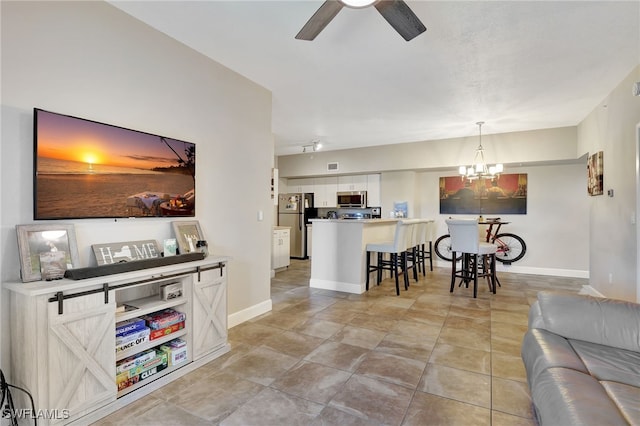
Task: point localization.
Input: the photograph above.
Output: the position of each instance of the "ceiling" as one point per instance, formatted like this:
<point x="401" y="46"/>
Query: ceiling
<point x="517" y="65"/>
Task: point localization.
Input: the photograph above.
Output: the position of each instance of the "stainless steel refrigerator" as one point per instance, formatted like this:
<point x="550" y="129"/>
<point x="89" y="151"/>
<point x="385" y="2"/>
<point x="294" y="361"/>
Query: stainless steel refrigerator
<point x="294" y="211"/>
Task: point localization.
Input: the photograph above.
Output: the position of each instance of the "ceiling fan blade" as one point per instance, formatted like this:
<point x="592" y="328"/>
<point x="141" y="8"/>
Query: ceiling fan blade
<point x="319" y="20"/>
<point x="401" y="18"/>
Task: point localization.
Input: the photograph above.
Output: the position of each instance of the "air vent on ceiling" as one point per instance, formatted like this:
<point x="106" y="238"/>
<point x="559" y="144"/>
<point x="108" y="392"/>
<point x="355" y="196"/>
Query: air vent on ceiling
<point x="332" y="167"/>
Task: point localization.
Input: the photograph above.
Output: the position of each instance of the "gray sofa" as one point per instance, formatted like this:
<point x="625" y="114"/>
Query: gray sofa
<point x="582" y="357"/>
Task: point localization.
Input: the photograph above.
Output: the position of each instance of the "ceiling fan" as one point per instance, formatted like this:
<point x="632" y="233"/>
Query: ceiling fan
<point x="396" y="12"/>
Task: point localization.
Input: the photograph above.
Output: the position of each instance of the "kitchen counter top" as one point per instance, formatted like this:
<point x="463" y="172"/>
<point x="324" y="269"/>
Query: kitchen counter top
<point x="374" y="221"/>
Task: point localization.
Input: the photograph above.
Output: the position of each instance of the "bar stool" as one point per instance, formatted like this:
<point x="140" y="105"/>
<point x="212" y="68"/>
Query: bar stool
<point x="465" y="240"/>
<point x="413" y="254"/>
<point x="425" y="239"/>
<point x="397" y="250"/>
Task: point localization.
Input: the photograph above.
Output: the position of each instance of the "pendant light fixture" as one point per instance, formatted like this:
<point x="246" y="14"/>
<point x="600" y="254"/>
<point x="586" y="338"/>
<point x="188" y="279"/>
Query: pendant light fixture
<point x="479" y="168"/>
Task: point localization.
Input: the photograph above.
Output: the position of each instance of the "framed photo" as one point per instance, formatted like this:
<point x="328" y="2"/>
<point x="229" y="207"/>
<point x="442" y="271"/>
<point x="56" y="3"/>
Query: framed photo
<point x="187" y="233"/>
<point x="595" y="174"/>
<point x="34" y="240"/>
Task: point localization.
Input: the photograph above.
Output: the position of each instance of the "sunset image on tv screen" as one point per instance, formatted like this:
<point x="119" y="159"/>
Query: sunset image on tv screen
<point x="86" y="169"/>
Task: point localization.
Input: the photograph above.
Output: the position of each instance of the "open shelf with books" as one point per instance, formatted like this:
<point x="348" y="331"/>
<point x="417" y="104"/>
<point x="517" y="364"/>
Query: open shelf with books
<point x="175" y="316"/>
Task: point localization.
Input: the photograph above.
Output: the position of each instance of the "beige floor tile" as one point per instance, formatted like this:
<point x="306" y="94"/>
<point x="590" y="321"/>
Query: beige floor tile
<point x="373" y="322"/>
<point x="291" y="343"/>
<point x="334" y="417"/>
<point x="508" y="367"/>
<point x="262" y="365"/>
<point x="473" y="339"/>
<point x="358" y="336"/>
<point x="511" y="397"/>
<point x="432" y="410"/>
<point x="406" y="346"/>
<point x="312" y="381"/>
<point x="338" y="355"/>
<point x="252" y="333"/>
<point x="463" y="386"/>
<point x="475" y="360"/>
<point x="503" y="419"/>
<point x="216" y="397"/>
<point x="272" y="407"/>
<point x="392" y="368"/>
<point x="281" y="320"/>
<point x="319" y="328"/>
<point x="373" y="400"/>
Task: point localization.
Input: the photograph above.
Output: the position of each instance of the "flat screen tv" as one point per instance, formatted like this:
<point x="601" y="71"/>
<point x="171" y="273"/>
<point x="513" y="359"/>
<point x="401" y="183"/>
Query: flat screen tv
<point x="86" y="169"/>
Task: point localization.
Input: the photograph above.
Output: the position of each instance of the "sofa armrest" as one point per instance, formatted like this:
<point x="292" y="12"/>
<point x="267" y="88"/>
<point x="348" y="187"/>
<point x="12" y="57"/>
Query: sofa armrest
<point x="597" y="320"/>
<point x="535" y="316"/>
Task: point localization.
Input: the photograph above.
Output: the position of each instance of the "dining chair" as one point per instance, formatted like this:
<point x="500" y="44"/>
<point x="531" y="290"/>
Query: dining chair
<point x="478" y="258"/>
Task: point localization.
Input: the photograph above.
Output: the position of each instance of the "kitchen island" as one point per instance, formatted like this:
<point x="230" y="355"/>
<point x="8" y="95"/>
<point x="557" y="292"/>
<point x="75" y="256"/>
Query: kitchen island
<point x="340" y="251"/>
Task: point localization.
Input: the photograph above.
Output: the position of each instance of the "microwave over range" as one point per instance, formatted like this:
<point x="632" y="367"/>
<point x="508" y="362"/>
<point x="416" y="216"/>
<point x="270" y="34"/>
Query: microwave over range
<point x="352" y="199"/>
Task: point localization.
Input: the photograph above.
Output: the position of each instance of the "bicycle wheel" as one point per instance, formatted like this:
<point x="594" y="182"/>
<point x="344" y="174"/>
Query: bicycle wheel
<point x="442" y="247"/>
<point x="511" y="248"/>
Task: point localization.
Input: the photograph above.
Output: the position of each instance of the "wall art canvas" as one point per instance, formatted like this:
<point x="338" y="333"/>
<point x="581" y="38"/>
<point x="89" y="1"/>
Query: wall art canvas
<point x="504" y="194"/>
<point x="595" y="174"/>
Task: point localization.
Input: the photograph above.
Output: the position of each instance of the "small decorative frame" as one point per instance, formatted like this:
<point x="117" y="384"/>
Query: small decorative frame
<point x="595" y="174"/>
<point x="188" y="233"/>
<point x="36" y="239"/>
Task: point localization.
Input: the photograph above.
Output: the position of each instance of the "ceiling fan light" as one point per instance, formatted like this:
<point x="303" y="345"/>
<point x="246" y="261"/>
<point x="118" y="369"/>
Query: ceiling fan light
<point x="356" y="4"/>
<point x="493" y="170"/>
<point x="462" y="170"/>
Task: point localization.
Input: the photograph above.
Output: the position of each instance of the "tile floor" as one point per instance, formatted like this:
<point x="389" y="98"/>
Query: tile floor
<point x="427" y="357"/>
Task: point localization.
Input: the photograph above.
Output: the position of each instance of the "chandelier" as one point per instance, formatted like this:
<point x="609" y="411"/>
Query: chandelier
<point x="480" y="169"/>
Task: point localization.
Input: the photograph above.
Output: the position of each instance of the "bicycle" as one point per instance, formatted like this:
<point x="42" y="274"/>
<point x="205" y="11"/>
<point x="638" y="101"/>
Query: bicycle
<point x="511" y="247"/>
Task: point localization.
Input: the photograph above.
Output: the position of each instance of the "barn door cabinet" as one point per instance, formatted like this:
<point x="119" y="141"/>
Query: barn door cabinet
<point x="63" y="335"/>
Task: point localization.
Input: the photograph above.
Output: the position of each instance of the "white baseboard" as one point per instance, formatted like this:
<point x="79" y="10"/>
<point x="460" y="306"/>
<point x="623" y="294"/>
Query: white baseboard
<point x="590" y="291"/>
<point x="248" y="313"/>
<point x="531" y="270"/>
<point x="336" y="286"/>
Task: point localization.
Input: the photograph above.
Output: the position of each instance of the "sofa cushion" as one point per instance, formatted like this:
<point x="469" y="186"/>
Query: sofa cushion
<point x="609" y="363"/>
<point x="626" y="398"/>
<point x="604" y="321"/>
<point x="542" y="349"/>
<point x="563" y="396"/>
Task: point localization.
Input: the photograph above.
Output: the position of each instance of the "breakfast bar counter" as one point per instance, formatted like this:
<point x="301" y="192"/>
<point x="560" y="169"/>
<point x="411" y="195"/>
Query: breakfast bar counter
<point x="339" y="251"/>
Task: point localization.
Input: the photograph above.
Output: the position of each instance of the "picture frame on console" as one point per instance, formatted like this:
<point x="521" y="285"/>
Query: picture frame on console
<point x="36" y="240"/>
<point x="187" y="233"/>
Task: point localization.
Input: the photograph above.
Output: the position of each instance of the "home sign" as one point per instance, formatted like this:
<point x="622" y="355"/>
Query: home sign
<point x="107" y="254"/>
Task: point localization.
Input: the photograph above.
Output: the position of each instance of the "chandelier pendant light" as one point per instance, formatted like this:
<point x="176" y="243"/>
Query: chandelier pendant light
<point x="479" y="168"/>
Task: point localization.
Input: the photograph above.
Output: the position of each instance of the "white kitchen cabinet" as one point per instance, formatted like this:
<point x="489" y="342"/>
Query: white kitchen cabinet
<point x="373" y="190"/>
<point x="352" y="183"/>
<point x="325" y="190"/>
<point x="300" y="185"/>
<point x="280" y="248"/>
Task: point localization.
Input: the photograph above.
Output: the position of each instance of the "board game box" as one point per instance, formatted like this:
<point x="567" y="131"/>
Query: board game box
<point x="129" y="326"/>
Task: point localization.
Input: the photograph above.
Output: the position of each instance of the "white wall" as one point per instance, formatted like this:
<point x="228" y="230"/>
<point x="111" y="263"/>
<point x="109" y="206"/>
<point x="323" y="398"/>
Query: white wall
<point x="555" y="228"/>
<point x="611" y="128"/>
<point x="91" y="60"/>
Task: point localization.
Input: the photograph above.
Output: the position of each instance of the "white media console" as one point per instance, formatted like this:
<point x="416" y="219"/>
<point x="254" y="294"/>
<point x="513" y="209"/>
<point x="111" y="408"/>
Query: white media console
<point x="63" y="335"/>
